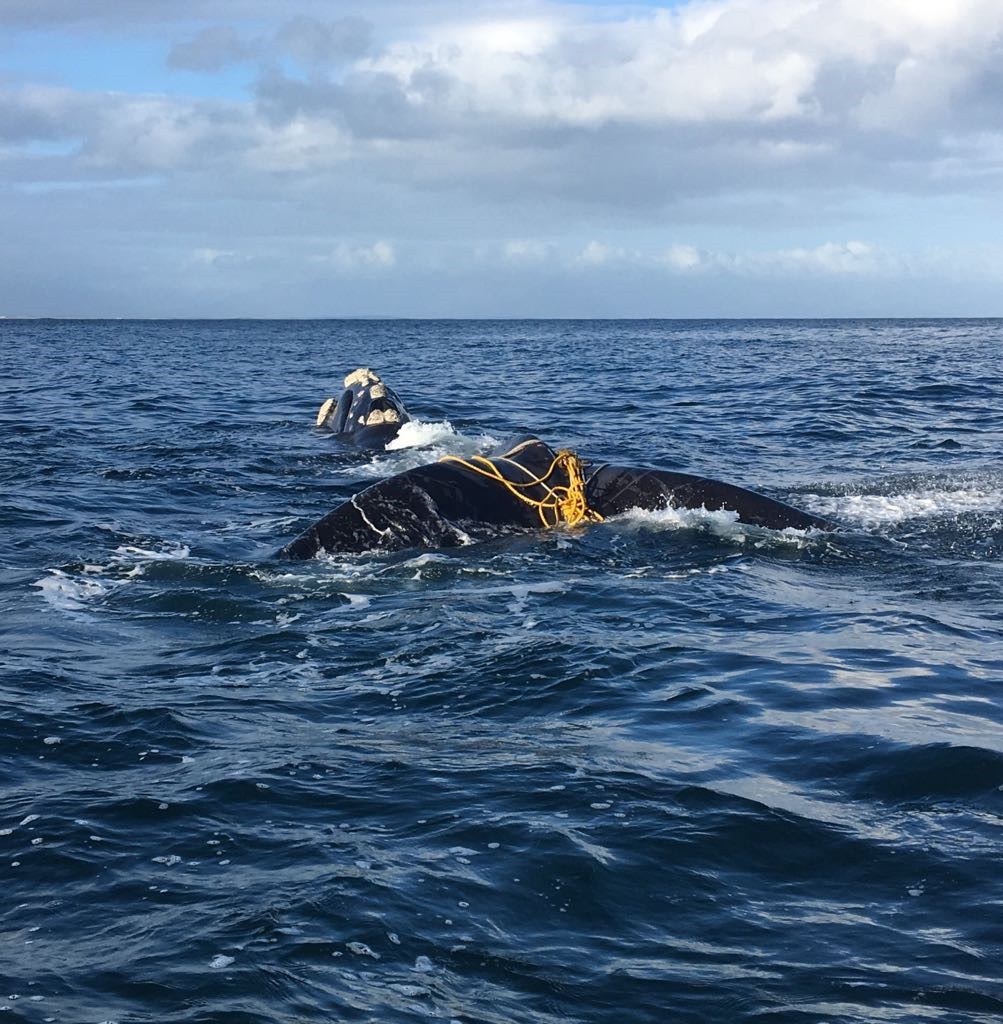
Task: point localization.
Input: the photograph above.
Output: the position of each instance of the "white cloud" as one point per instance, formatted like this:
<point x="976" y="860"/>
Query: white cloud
<point x="542" y="139"/>
<point x="729" y="60"/>
<point x="682" y="257"/>
<point x="380" y="255"/>
<point x="598" y="254"/>
<point x="703" y="98"/>
<point x="217" y="257"/>
<point x="830" y="259"/>
<point x="526" y="250"/>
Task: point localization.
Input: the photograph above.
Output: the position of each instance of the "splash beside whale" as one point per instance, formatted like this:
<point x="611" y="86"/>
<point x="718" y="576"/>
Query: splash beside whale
<point x="455" y="501"/>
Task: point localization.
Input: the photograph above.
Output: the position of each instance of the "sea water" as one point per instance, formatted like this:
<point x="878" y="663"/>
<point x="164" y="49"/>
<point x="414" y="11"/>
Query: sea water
<point x="665" y="769"/>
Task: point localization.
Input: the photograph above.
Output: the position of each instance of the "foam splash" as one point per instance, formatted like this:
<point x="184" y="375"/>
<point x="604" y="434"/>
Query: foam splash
<point x="887" y="509"/>
<point x="69" y="594"/>
<point x="420" y="443"/>
<point x="522" y="592"/>
<point x="419" y="434"/>
<point x="173" y="552"/>
<point x="723" y="523"/>
<point x="75" y="592"/>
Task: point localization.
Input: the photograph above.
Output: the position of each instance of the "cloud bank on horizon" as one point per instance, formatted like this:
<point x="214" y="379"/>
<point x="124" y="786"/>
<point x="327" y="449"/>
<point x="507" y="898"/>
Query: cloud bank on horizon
<point x="704" y="158"/>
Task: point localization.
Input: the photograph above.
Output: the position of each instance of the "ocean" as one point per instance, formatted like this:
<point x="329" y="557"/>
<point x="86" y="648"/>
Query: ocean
<point x="664" y="769"/>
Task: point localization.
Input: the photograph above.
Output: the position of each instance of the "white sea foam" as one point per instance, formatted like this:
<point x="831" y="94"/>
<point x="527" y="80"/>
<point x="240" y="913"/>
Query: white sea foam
<point x="420" y="443"/>
<point x="361" y="949"/>
<point x="75" y="592"/>
<point x="723" y="523"/>
<point x="70" y="594"/>
<point x="411" y="991"/>
<point x="521" y="593"/>
<point x="171" y="553"/>
<point x="882" y="509"/>
<point x="269" y="525"/>
<point x="419" y="434"/>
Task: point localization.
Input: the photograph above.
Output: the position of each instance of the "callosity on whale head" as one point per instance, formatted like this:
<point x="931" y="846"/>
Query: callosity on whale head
<point x="367" y="412"/>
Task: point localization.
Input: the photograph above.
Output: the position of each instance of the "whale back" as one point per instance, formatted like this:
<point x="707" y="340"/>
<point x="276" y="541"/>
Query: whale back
<point x="444" y="504"/>
<point x="613" y="490"/>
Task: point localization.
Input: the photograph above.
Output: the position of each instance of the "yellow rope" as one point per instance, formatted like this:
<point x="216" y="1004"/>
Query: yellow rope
<point x="562" y="504"/>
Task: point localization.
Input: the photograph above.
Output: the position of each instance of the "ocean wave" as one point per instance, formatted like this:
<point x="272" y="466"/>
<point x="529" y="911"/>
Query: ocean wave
<point x="72" y="593"/>
<point x="876" y="509"/>
<point x="80" y="587"/>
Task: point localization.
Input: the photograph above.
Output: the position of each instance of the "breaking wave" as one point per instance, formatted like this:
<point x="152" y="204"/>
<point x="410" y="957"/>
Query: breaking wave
<point x="877" y="508"/>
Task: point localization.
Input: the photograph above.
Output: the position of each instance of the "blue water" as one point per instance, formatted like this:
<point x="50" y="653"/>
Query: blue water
<point x="666" y="769"/>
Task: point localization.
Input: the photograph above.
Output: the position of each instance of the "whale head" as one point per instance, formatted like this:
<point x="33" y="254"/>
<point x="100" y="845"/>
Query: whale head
<point x="367" y="412"/>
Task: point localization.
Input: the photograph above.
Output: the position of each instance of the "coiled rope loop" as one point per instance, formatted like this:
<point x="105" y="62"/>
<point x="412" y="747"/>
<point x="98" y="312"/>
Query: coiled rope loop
<point x="562" y="504"/>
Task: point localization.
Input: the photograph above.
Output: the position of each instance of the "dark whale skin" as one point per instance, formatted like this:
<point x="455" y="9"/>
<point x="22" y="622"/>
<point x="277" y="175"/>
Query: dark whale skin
<point x="613" y="490"/>
<point x="445" y="504"/>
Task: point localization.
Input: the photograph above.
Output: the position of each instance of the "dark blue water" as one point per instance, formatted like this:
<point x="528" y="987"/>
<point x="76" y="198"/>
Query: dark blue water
<point x="668" y="769"/>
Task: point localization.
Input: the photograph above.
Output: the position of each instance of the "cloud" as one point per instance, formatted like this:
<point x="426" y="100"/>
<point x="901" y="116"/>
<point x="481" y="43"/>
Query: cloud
<point x="598" y="254"/>
<point x="211" y="49"/>
<point x="312" y="42"/>
<point x="682" y="257"/>
<point x="380" y="255"/>
<point x="828" y="259"/>
<point x="831" y="259"/>
<point x="527" y="251"/>
<point x="705" y="141"/>
<point x="701" y="99"/>
<point x="127" y="15"/>
<point x="708" y="98"/>
<point x="219" y="258"/>
<point x="115" y="134"/>
<point x="727" y="61"/>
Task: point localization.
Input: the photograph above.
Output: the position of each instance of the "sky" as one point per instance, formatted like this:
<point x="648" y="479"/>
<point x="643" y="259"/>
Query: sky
<point x="700" y="158"/>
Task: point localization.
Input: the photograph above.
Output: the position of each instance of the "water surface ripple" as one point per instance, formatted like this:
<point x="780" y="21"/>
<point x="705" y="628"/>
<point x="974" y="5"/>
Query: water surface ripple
<point x="666" y="769"/>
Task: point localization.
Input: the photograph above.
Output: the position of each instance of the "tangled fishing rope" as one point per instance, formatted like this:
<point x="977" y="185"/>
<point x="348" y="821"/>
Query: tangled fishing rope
<point x="563" y="503"/>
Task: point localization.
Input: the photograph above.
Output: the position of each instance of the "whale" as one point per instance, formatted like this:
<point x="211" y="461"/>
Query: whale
<point x="368" y="412"/>
<point x="521" y="485"/>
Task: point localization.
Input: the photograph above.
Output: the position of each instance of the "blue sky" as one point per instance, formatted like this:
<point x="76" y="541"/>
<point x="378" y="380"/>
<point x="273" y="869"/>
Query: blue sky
<point x="514" y="158"/>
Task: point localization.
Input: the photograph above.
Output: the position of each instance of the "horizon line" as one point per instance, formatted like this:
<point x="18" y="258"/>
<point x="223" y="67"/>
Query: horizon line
<point x="483" y="318"/>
